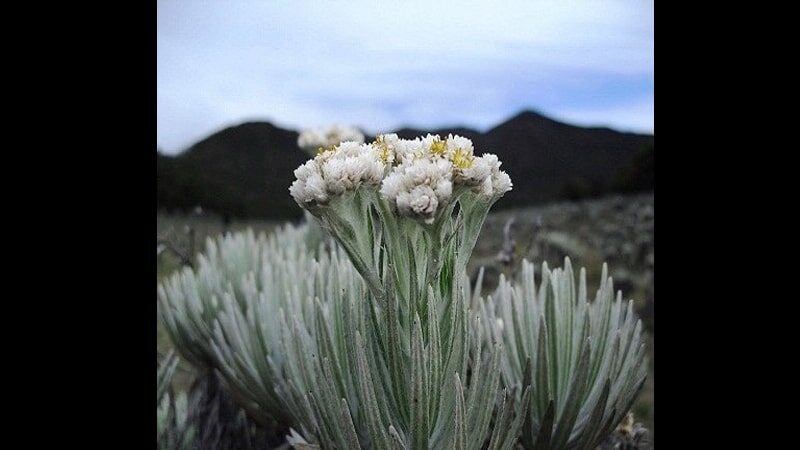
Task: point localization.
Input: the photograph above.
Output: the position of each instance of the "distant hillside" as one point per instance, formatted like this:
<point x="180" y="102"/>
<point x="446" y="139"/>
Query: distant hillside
<point x="246" y="170"/>
<point x="242" y="171"/>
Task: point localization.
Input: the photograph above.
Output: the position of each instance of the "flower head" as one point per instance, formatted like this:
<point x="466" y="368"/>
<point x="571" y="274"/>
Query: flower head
<point x="316" y="140"/>
<point x="459" y="147"/>
<point x="438" y="147"/>
<point x="417" y="187"/>
<point x="416" y="176"/>
<point x="344" y="168"/>
<point x="309" y="185"/>
<point x="387" y="146"/>
<point x="420" y="202"/>
<point x="461" y="159"/>
<point x="500" y="181"/>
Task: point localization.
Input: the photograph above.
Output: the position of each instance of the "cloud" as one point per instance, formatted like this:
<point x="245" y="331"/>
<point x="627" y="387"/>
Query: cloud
<point x="380" y="65"/>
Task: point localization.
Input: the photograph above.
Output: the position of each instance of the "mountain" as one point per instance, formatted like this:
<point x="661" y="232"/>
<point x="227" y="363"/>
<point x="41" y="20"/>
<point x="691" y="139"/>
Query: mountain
<point x="241" y="171"/>
<point x="246" y="170"/>
<point x="550" y="160"/>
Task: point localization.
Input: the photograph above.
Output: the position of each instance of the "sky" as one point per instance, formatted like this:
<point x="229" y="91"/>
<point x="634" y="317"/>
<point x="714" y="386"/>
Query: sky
<point x="384" y="64"/>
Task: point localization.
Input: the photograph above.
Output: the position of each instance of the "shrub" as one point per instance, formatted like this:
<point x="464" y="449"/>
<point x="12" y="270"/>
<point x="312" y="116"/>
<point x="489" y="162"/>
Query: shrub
<point x="585" y="361"/>
<point x="241" y="275"/>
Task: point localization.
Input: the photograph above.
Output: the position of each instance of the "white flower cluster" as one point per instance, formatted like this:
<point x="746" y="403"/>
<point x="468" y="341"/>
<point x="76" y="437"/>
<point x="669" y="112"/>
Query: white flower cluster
<point x="417" y="176"/>
<point x="428" y="167"/>
<point x="332" y="172"/>
<point x="313" y="139"/>
<point x="417" y="187"/>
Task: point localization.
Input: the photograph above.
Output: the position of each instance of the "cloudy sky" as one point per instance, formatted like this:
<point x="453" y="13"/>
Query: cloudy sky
<point x="382" y="64"/>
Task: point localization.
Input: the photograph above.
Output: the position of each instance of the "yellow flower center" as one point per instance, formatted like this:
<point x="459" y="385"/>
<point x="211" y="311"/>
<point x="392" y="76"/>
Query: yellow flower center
<point x="438" y="147"/>
<point x="326" y="152"/>
<point x="384" y="152"/>
<point x="461" y="159"/>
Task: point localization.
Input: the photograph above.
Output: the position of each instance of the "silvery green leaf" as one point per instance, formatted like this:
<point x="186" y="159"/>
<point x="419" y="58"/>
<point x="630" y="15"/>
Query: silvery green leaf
<point x="587" y="359"/>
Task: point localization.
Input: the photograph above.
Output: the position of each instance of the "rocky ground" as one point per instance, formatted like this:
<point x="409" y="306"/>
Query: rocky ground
<point x="617" y="230"/>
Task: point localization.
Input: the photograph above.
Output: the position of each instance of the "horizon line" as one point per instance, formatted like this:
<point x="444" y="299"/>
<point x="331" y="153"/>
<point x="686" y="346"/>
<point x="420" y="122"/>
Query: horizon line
<point x="368" y="132"/>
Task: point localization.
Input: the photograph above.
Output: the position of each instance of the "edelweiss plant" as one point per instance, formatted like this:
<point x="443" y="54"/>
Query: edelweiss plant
<point x="585" y="361"/>
<point x="407" y="213"/>
<point x="370" y="343"/>
<point x="378" y="198"/>
<point x="314" y="139"/>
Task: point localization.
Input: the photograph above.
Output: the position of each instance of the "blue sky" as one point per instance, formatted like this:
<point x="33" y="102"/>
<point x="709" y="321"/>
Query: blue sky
<point x="383" y="64"/>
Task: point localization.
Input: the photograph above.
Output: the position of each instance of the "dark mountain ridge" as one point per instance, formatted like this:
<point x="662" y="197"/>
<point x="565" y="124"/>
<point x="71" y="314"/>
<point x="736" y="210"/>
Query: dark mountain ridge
<point x="246" y="170"/>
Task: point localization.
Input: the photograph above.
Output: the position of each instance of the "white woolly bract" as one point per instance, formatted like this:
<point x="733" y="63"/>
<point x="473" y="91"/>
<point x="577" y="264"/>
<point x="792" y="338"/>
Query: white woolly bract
<point x="500" y="181"/>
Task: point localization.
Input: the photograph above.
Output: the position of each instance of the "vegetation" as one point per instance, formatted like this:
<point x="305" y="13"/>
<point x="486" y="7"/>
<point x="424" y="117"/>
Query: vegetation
<point x="585" y="360"/>
<point x="378" y="340"/>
